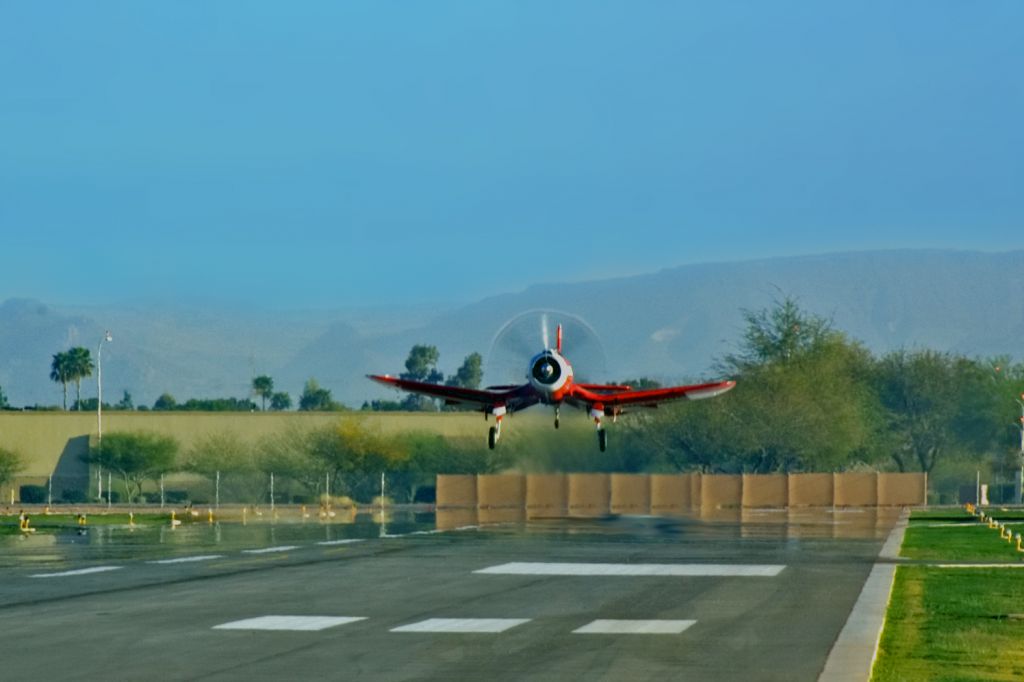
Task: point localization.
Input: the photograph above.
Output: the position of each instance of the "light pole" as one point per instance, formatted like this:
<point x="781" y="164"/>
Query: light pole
<point x="107" y="336"/>
<point x="1018" y="476"/>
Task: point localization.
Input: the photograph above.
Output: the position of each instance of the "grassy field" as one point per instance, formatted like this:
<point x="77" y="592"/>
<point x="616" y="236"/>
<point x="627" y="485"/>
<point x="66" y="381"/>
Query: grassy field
<point x="955" y="623"/>
<point x="44" y="523"/>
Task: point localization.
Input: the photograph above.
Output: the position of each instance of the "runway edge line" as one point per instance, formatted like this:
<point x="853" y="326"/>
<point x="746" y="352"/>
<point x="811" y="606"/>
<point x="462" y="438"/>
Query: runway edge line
<point x="853" y="655"/>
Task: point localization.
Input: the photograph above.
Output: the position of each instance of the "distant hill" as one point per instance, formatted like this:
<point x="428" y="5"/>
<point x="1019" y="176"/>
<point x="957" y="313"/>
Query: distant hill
<point x="671" y="324"/>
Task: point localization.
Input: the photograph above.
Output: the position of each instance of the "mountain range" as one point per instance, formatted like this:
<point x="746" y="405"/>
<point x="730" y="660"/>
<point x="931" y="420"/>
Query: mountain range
<point x="670" y="325"/>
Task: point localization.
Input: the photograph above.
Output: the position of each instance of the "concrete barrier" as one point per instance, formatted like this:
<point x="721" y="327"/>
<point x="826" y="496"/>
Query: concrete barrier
<point x="501" y="491"/>
<point x="670" y="493"/>
<point x="547" y="496"/>
<point x="589" y="495"/>
<point x="501" y="515"/>
<point x="455" y="491"/>
<point x="765" y="490"/>
<point x="810" y="490"/>
<point x="902" y="489"/>
<point x="630" y="494"/>
<point x="720" y="491"/>
<point x="447" y="519"/>
<point x="695" y="488"/>
<point x="855" y="489"/>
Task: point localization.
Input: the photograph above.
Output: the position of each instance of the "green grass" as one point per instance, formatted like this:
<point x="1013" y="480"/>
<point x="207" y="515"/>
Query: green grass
<point x="971" y="543"/>
<point x="953" y="624"/>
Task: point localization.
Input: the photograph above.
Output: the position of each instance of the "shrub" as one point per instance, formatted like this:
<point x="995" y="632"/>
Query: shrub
<point x="174" y="496"/>
<point x="32" y="494"/>
<point x="73" y="496"/>
<point x="426" y="495"/>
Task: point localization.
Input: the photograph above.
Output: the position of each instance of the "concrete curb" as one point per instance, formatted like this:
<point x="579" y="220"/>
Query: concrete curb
<point x="853" y="655"/>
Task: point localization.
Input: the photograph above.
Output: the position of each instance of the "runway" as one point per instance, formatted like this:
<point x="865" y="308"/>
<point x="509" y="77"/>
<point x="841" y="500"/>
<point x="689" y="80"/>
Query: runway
<point x="751" y="597"/>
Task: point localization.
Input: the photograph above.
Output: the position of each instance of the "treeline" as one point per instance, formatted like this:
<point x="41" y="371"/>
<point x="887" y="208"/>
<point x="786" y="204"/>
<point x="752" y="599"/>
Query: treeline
<point x="809" y="398"/>
<point x="343" y="459"/>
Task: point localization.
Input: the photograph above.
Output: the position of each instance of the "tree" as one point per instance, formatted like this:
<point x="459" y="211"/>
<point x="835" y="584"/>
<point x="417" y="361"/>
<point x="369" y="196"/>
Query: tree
<point x="3" y="399"/>
<point x="135" y="456"/>
<point x="470" y="374"/>
<point x="81" y="367"/>
<point x="778" y="334"/>
<point x="315" y="398"/>
<point x="166" y="401"/>
<point x="421" y="365"/>
<point x="802" y="402"/>
<point x="61" y="372"/>
<point x="280" y="401"/>
<point x="263" y="386"/>
<point x="223" y="453"/>
<point x="640" y="384"/>
<point x="937" y="403"/>
<point x="10" y="464"/>
<point x="125" y="403"/>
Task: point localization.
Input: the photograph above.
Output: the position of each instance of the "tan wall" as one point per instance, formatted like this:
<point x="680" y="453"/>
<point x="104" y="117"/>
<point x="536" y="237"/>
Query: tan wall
<point x="810" y="490"/>
<point x="547" y="495"/>
<point x="902" y="489"/>
<point x="500" y="491"/>
<point x="589" y="495"/>
<point x="456" y="491"/>
<point x="670" y="493"/>
<point x="765" y="490"/>
<point x="718" y="491"/>
<point x="696" y="484"/>
<point x="855" y="489"/>
<point x="630" y="494"/>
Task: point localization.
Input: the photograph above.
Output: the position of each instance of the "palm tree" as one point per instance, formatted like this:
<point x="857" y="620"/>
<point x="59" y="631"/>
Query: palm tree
<point x="263" y="386"/>
<point x="60" y="371"/>
<point x="81" y="367"/>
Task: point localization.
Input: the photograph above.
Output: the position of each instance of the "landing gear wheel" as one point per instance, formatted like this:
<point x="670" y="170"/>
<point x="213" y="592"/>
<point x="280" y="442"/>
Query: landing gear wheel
<point x="492" y="437"/>
<point x="556" y="422"/>
<point x="602" y="439"/>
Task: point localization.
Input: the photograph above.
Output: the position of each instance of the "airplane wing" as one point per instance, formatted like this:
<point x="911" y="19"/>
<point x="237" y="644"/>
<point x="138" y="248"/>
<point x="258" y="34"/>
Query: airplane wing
<point x="651" y="397"/>
<point x="513" y="398"/>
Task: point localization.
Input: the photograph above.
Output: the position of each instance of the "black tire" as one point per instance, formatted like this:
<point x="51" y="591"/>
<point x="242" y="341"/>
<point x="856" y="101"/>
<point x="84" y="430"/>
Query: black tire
<point x="492" y="437"/>
<point x="602" y="439"/>
<point x="556" y="422"/>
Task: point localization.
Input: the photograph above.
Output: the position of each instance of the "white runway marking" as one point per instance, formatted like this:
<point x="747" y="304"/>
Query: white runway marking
<point x="686" y="570"/>
<point x="303" y="623"/>
<point x="269" y="550"/>
<point x="187" y="559"/>
<point x="80" y="571"/>
<point x="634" y="627"/>
<point x="462" y="625"/>
<point x="328" y="543"/>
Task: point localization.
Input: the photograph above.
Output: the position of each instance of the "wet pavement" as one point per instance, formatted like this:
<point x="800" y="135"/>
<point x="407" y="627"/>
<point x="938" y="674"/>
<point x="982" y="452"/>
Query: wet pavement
<point x="723" y="595"/>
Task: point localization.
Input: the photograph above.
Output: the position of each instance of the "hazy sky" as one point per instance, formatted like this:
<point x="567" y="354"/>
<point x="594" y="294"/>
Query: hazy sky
<point x="332" y="153"/>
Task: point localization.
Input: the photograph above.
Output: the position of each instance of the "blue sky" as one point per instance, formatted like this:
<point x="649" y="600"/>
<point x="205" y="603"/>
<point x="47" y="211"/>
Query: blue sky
<point x="338" y="153"/>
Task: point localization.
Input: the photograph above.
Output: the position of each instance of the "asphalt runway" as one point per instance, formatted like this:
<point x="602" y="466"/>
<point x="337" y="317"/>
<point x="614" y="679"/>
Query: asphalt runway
<point x="757" y="596"/>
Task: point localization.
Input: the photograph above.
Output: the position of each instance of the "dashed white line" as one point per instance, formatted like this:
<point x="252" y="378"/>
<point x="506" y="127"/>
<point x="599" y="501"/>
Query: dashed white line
<point x="674" y="570"/>
<point x="187" y="559"/>
<point x="80" y="571"/>
<point x="270" y="550"/>
<point x="634" y="627"/>
<point x="301" y="623"/>
<point x="463" y="625"/>
<point x="329" y="543"/>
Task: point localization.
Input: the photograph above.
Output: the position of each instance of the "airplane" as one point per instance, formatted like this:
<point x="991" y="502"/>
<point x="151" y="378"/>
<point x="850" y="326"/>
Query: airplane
<point x="550" y="382"/>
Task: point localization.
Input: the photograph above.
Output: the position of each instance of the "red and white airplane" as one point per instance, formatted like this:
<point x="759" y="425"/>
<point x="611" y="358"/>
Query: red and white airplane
<point x="550" y="381"/>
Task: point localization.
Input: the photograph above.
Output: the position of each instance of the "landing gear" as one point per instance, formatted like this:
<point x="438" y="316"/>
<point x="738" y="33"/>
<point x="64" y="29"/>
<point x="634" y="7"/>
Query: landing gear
<point x="494" y="433"/>
<point x="556" y="417"/>
<point x="602" y="439"/>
